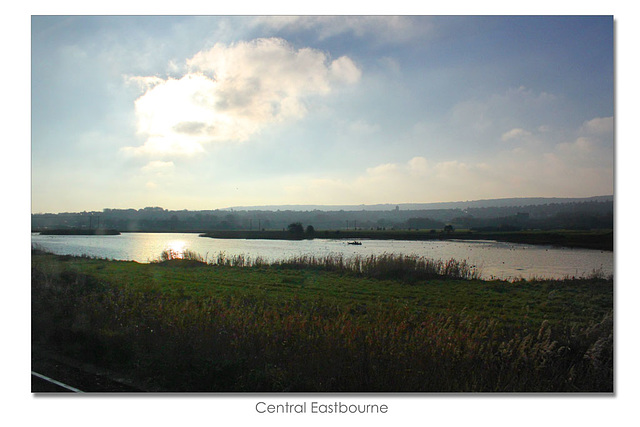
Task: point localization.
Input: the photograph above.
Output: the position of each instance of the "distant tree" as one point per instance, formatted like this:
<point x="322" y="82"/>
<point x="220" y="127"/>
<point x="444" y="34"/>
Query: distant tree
<point x="423" y="223"/>
<point x="296" y="228"/>
<point x="448" y="228"/>
<point x="310" y="229"/>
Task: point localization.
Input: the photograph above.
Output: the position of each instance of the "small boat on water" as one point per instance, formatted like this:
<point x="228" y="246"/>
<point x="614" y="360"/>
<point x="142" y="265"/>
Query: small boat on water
<point x="354" y="243"/>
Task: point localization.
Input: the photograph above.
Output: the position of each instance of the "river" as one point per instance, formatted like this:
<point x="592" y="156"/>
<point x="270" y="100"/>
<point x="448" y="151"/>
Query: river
<point x="493" y="259"/>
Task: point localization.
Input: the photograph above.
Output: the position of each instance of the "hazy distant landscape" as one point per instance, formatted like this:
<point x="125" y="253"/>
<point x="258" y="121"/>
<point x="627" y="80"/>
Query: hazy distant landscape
<point x="486" y="215"/>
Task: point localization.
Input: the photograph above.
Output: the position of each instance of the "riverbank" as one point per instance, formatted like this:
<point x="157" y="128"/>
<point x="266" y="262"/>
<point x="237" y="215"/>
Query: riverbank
<point x="586" y="239"/>
<point x="323" y="326"/>
<point x="590" y="239"/>
<point x="80" y="232"/>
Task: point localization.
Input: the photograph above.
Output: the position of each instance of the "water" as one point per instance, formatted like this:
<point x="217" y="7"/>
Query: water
<point x="493" y="259"/>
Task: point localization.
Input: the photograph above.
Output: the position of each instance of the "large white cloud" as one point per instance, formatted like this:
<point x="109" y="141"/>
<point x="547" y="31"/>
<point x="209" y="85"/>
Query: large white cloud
<point x="231" y="92"/>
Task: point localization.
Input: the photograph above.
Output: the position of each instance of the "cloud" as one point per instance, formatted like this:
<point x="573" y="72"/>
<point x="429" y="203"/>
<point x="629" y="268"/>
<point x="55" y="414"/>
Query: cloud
<point x="569" y="169"/>
<point x="144" y="82"/>
<point x="190" y="128"/>
<point x="158" y="167"/>
<point x="418" y="166"/>
<point x="591" y="146"/>
<point x="514" y="108"/>
<point x="516" y="133"/>
<point x="599" y="126"/>
<point x="155" y="171"/>
<point x="378" y="29"/>
<point x="343" y="70"/>
<point x="363" y="127"/>
<point x="231" y="92"/>
<point x="382" y="170"/>
<point x="580" y="145"/>
<point x="391" y="65"/>
<point x="415" y="180"/>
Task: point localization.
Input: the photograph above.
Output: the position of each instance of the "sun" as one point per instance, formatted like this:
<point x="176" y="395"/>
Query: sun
<point x="176" y="248"/>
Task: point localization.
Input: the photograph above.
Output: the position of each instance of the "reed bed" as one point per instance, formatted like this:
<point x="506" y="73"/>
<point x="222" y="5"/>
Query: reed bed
<point x="385" y="266"/>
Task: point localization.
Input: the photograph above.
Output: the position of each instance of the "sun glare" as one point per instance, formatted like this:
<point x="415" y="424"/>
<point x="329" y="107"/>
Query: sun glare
<point x="176" y="248"/>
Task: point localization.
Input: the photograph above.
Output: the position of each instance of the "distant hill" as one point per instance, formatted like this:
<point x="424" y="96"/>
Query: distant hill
<point x="534" y="213"/>
<point x="485" y="203"/>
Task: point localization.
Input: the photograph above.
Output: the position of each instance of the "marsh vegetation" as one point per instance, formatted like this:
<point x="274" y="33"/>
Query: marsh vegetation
<point x="392" y="323"/>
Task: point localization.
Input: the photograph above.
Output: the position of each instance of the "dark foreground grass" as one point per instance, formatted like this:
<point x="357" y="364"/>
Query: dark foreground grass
<point x="185" y="325"/>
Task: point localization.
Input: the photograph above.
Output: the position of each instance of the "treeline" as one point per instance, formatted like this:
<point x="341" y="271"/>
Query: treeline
<point x="575" y="215"/>
<point x="523" y="221"/>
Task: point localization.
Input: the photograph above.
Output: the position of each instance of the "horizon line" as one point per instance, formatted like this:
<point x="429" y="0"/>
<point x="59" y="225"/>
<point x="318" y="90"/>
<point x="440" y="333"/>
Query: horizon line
<point x="334" y="206"/>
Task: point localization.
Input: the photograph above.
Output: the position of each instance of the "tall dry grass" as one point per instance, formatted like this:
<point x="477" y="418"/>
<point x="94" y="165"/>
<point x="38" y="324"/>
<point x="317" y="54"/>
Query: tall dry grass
<point x="385" y="266"/>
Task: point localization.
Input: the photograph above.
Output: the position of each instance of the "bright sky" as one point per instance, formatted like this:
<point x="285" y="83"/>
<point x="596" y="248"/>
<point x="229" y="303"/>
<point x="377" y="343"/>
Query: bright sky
<point x="206" y="112"/>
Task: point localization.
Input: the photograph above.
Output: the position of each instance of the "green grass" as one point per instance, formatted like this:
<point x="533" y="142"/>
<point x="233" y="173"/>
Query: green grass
<point x="305" y="325"/>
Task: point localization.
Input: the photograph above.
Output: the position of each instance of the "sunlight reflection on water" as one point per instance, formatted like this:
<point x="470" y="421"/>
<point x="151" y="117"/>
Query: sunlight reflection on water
<point x="177" y="248"/>
<point x="493" y="259"/>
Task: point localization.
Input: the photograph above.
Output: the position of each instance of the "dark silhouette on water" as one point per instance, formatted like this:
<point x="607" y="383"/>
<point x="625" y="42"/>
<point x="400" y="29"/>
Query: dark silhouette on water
<point x="81" y="232"/>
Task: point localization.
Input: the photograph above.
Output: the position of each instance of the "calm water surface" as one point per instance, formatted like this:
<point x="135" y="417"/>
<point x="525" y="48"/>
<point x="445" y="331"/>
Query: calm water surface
<point x="493" y="259"/>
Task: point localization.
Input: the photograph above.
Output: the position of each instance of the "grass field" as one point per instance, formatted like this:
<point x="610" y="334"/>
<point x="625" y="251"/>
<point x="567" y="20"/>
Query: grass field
<point x="324" y="325"/>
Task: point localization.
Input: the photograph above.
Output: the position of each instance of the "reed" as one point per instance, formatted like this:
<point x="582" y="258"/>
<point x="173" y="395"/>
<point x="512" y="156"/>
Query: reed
<point x="385" y="266"/>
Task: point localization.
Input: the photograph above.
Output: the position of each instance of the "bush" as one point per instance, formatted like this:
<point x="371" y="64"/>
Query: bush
<point x="295" y="228"/>
<point x="184" y="258"/>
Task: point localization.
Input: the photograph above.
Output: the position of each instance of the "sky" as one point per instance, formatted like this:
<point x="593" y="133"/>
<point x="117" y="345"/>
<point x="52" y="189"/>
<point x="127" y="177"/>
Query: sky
<point x="209" y="112"/>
